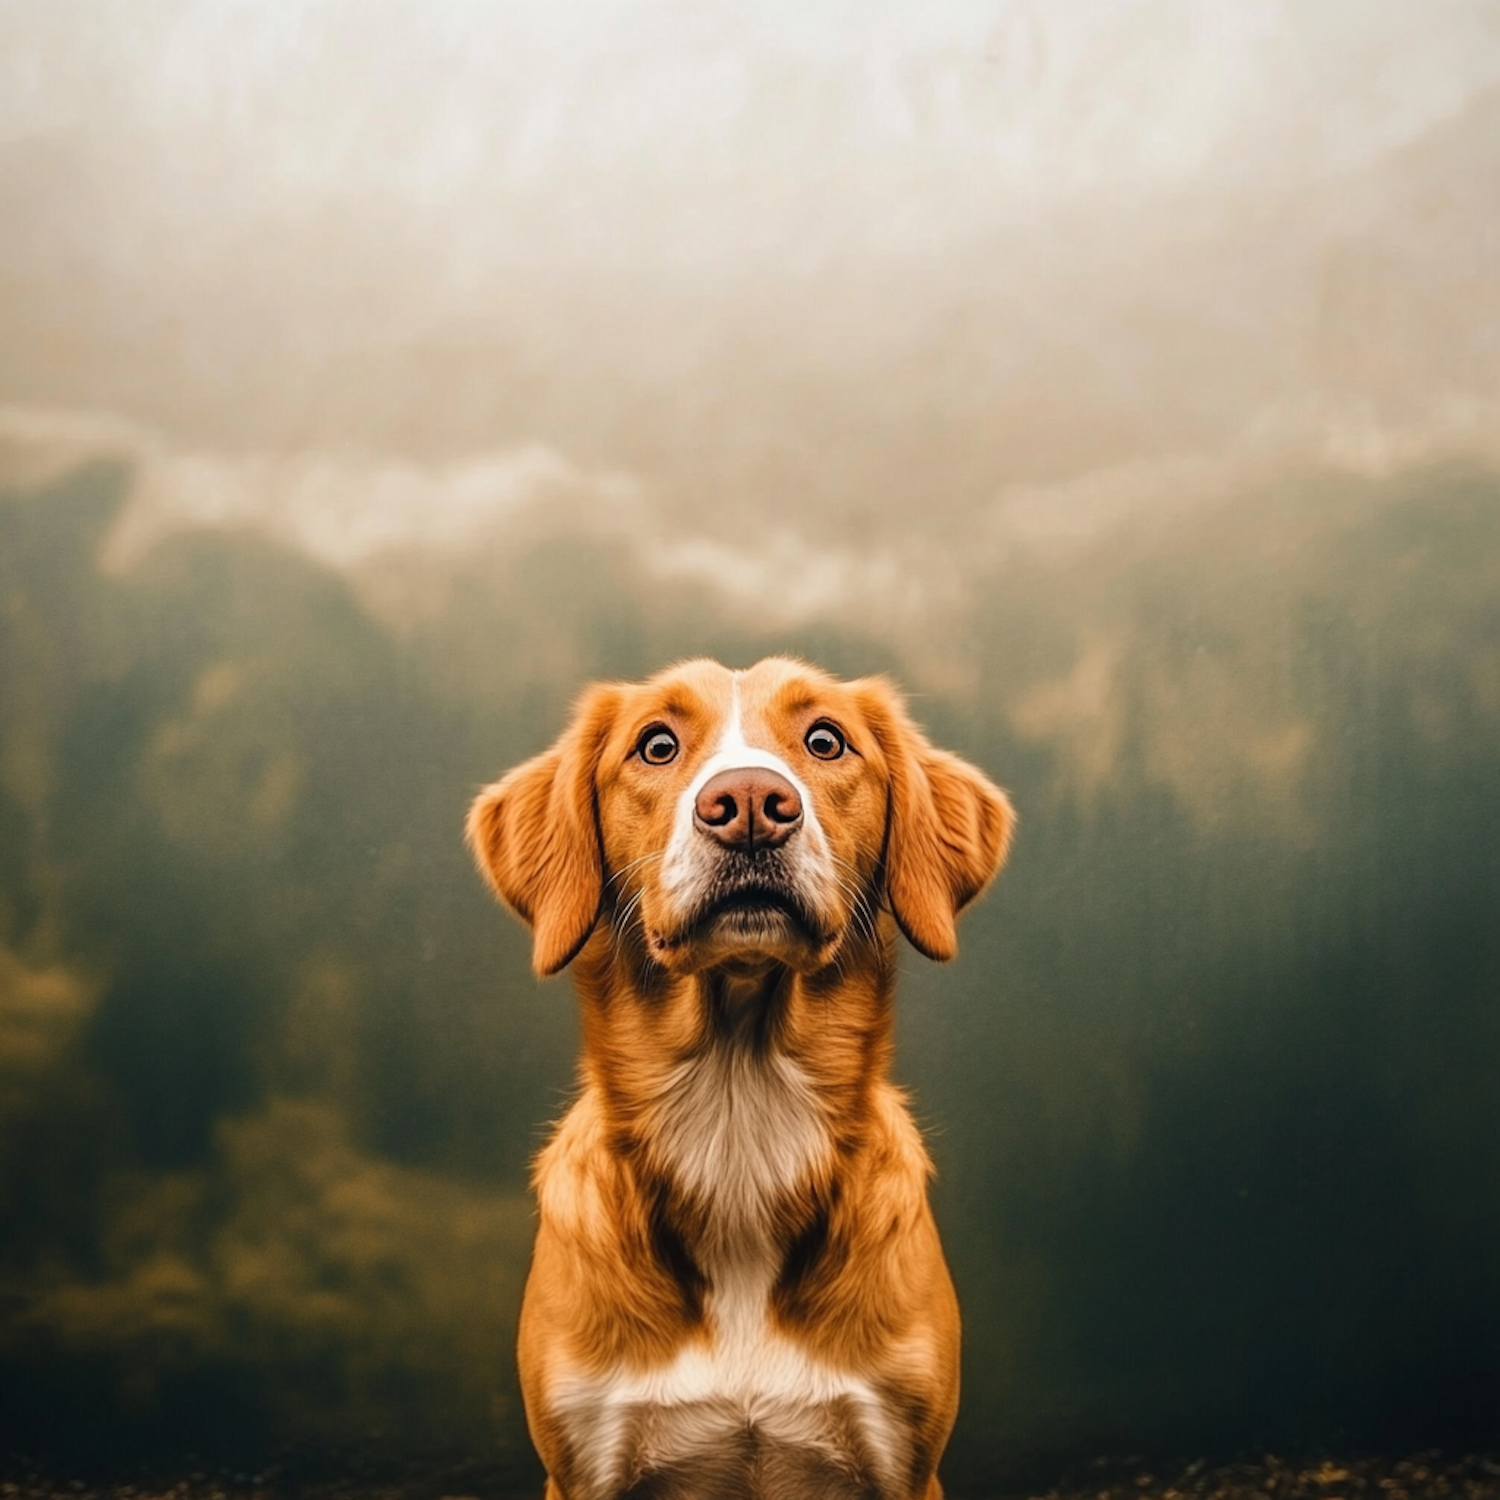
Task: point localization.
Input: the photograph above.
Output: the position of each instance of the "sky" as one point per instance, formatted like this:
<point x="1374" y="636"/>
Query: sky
<point x="1124" y="378"/>
<point x="378" y="276"/>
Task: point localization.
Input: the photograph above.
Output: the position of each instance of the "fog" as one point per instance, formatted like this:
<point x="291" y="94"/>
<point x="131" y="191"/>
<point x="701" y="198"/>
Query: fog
<point x="1125" y="379"/>
<point x="784" y="259"/>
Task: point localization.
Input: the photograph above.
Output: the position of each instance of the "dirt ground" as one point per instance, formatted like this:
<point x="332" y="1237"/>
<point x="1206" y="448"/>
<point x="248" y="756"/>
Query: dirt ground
<point x="1420" y="1476"/>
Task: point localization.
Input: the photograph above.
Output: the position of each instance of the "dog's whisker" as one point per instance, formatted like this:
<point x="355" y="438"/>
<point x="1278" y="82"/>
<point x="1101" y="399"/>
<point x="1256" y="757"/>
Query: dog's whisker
<point x="859" y="913"/>
<point x="626" y="869"/>
<point x="856" y="888"/>
<point x="621" y="919"/>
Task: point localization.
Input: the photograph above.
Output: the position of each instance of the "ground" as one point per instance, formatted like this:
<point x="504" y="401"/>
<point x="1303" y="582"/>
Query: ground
<point x="1420" y="1476"/>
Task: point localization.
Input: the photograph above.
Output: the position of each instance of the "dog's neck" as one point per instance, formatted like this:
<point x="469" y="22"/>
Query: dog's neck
<point x="736" y="1085"/>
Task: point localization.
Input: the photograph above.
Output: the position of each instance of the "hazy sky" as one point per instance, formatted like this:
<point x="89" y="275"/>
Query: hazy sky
<point x="1023" y="349"/>
<point x="828" y="261"/>
<point x="454" y="108"/>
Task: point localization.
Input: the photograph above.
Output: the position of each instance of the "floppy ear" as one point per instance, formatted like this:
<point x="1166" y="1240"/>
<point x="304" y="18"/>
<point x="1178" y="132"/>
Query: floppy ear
<point x="535" y="836"/>
<point x="948" y="828"/>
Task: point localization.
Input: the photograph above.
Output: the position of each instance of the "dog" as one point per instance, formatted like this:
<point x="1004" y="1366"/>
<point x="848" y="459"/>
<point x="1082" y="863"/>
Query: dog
<point x="737" y="1288"/>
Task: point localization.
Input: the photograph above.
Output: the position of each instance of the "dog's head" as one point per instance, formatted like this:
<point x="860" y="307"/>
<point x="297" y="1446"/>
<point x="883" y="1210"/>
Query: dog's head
<point x="722" y="817"/>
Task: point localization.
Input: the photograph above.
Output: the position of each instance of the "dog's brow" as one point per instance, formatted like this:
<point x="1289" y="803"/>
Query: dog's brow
<point x="800" y="700"/>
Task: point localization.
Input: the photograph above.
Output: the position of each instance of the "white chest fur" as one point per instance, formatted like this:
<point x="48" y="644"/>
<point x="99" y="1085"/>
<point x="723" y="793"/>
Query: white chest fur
<point x="737" y="1129"/>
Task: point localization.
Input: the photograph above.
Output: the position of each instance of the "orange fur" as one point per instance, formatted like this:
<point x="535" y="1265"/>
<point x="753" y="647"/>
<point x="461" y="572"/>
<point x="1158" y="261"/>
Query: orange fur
<point x="533" y="835"/>
<point x="948" y="832"/>
<point x="738" y="1172"/>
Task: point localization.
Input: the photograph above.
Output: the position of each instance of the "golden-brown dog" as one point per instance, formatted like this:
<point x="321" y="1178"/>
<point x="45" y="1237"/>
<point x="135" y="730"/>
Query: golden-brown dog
<point x="737" y="1288"/>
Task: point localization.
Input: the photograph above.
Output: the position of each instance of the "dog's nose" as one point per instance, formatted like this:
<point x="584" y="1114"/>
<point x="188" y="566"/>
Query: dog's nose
<point x="748" y="809"/>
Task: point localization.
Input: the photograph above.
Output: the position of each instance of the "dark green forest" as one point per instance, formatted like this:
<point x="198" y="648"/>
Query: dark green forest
<point x="1213" y="1088"/>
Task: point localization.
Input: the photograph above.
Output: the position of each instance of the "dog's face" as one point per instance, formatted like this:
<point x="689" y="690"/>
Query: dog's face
<point x="740" y="818"/>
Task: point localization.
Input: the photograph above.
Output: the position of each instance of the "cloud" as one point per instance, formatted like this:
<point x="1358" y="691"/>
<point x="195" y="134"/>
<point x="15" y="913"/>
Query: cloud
<point x="428" y="100"/>
<point x="294" y="1248"/>
<point x="1318" y="433"/>
<point x="787" y="579"/>
<point x="423" y="229"/>
<point x="341" y="508"/>
<point x="42" y="1012"/>
<point x="350" y="510"/>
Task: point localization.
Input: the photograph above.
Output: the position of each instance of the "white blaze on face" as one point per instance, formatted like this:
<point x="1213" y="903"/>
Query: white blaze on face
<point x="690" y="858"/>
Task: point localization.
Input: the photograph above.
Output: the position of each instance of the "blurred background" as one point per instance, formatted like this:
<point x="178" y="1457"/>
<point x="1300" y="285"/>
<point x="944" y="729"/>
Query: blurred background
<point x="1123" y="375"/>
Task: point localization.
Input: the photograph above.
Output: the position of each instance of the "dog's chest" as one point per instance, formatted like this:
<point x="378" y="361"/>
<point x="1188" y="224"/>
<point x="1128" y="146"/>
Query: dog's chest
<point x="737" y="1130"/>
<point x="747" y="1411"/>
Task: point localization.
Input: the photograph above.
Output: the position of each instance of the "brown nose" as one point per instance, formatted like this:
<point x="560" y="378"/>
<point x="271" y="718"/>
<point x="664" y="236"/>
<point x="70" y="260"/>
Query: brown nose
<point x="748" y="809"/>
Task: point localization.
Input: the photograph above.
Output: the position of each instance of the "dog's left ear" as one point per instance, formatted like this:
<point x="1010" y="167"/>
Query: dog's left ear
<point x="535" y="836"/>
<point x="948" y="828"/>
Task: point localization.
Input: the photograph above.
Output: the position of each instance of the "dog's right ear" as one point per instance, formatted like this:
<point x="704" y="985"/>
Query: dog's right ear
<point x="948" y="828"/>
<point x="535" y="836"/>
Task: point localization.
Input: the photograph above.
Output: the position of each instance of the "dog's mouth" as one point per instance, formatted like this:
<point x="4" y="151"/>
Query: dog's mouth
<point x="754" y="913"/>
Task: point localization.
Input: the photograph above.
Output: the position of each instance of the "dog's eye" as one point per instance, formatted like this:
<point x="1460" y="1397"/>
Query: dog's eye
<point x="824" y="741"/>
<point x="657" y="746"/>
